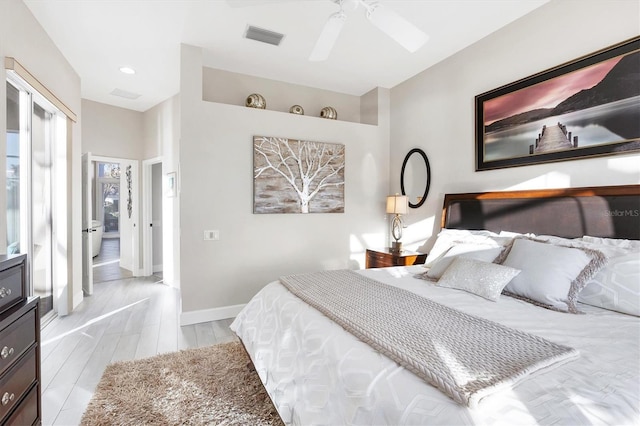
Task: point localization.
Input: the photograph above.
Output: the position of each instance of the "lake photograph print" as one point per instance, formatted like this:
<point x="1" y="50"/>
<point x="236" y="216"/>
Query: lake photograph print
<point x="595" y="105"/>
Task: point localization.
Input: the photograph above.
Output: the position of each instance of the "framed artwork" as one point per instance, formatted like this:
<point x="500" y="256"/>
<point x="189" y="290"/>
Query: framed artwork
<point x="172" y="185"/>
<point x="296" y="176"/>
<point x="129" y="198"/>
<point x="584" y="108"/>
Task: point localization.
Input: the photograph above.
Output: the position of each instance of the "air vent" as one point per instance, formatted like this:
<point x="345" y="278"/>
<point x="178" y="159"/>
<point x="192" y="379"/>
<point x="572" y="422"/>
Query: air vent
<point x="265" y="36"/>
<point x="125" y="94"/>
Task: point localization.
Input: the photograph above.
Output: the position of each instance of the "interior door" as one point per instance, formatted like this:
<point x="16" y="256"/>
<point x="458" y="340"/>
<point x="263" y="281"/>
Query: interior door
<point x="129" y="211"/>
<point x="87" y="240"/>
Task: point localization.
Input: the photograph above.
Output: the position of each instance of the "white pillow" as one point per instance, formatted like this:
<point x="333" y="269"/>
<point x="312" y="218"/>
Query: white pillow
<point x="608" y="250"/>
<point x="616" y="286"/>
<point x="483" y="253"/>
<point x="447" y="238"/>
<point x="552" y="275"/>
<point x="481" y="278"/>
<point x="630" y="245"/>
<point x="515" y="234"/>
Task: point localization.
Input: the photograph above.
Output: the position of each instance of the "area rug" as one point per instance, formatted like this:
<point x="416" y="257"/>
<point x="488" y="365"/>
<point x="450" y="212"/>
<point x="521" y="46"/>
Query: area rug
<point x="215" y="385"/>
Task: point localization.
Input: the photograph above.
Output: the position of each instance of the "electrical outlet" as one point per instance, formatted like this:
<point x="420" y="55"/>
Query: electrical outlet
<point x="212" y="235"/>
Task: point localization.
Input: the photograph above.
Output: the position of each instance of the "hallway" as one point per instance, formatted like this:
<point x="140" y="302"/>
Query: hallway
<point x="106" y="264"/>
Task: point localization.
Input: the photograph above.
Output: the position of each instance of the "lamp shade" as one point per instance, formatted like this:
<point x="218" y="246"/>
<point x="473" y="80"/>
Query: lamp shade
<point x="397" y="204"/>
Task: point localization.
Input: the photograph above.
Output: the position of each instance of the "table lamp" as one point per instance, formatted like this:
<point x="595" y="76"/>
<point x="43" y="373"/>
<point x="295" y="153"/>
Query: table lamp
<point x="396" y="205"/>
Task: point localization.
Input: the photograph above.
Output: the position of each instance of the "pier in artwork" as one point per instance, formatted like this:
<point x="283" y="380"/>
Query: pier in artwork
<point x="553" y="138"/>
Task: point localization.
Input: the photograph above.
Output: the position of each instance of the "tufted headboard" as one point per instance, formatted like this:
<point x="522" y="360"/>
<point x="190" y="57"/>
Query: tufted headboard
<point x="605" y="211"/>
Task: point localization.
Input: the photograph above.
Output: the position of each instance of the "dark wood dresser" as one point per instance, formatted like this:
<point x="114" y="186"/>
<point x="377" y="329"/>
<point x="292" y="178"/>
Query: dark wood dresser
<point x="20" y="396"/>
<point x="382" y="258"/>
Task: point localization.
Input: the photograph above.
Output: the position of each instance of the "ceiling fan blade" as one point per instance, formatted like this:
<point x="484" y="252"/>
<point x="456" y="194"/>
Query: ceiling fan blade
<point x="328" y="37"/>
<point x="395" y="26"/>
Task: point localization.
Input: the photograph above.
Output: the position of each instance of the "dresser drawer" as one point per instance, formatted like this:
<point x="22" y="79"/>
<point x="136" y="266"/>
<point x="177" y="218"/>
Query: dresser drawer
<point x="16" y="338"/>
<point x="17" y="381"/>
<point x="12" y="286"/>
<point x="27" y="412"/>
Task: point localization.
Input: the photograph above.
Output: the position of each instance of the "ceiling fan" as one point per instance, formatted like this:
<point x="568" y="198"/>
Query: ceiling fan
<point x="395" y="26"/>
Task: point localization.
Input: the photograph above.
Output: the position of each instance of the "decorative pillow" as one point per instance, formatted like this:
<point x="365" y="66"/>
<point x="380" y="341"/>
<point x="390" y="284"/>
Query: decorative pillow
<point x="471" y="251"/>
<point x="552" y="275"/>
<point x="616" y="286"/>
<point x="481" y="278"/>
<point x="447" y="238"/>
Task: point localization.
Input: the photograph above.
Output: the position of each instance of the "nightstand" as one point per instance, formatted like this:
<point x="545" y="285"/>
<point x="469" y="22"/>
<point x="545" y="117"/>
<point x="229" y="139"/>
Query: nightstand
<point x="381" y="258"/>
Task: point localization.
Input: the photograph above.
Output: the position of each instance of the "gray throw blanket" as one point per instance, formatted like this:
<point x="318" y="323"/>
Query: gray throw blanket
<point x="466" y="357"/>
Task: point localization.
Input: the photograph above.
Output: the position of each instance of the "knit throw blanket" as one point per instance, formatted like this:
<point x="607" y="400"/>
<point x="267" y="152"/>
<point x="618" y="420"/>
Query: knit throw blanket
<point x="465" y="357"/>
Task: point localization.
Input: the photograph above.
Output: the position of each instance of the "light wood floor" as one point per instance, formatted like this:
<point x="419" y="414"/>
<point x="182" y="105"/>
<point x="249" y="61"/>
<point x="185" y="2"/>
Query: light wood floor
<point x="123" y="320"/>
<point x="106" y="265"/>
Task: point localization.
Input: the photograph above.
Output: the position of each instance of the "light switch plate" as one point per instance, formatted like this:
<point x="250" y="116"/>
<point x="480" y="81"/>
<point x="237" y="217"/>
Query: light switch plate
<point x="212" y="235"/>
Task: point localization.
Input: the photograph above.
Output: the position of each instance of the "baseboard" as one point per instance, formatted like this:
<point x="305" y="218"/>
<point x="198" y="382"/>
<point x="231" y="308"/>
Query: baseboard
<point x="206" y="315"/>
<point x="157" y="268"/>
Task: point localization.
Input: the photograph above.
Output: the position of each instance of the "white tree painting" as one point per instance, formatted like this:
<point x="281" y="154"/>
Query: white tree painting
<point x="294" y="176"/>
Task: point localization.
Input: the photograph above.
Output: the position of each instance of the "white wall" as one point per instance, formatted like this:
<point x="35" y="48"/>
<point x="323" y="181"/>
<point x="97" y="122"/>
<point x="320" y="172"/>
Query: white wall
<point x="22" y="38"/>
<point x="161" y="139"/>
<point x="216" y="192"/>
<point x="435" y="109"/>
<point x="232" y="88"/>
<point x="111" y="131"/>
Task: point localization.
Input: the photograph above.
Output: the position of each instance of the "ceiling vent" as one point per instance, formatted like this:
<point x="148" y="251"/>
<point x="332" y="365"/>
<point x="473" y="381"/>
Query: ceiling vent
<point x="125" y="94"/>
<point x="265" y="36"/>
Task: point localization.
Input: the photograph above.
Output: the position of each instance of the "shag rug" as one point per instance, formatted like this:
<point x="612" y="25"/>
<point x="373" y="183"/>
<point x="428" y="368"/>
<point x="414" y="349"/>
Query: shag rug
<point x="215" y="385"/>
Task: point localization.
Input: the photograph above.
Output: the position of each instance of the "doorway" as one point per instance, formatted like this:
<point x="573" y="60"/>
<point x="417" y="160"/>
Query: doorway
<point x="110" y="220"/>
<point x="106" y="198"/>
<point x="153" y="228"/>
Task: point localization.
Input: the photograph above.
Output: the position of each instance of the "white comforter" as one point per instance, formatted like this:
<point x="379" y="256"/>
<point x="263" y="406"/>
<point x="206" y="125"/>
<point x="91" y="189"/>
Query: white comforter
<point x="318" y="374"/>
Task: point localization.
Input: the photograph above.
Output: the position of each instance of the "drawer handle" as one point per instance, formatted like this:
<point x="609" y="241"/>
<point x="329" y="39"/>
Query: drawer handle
<point x="4" y="292"/>
<point x="6" y="352"/>
<point x="6" y="398"/>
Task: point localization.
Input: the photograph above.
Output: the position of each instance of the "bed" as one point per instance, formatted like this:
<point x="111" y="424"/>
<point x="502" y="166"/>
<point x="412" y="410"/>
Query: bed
<point x="318" y="373"/>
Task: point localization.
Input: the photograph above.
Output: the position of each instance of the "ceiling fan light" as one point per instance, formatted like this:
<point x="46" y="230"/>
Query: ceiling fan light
<point x="328" y="37"/>
<point x="395" y="26"/>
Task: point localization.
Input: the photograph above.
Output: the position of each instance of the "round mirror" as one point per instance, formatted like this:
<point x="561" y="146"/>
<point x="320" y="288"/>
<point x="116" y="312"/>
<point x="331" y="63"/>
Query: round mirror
<point x="415" y="177"/>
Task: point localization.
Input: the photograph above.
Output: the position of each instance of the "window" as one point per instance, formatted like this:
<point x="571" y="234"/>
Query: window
<point x="36" y="131"/>
<point x="108" y="199"/>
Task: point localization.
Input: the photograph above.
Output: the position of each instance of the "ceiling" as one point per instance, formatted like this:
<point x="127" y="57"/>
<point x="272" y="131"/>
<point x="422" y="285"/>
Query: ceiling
<point x="99" y="36"/>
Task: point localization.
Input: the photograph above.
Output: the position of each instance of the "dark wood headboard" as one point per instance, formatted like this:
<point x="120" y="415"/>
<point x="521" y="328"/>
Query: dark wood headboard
<point x="605" y="211"/>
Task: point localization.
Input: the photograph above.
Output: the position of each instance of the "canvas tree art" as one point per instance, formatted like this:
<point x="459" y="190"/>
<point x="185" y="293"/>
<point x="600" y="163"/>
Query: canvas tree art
<point x="295" y="176"/>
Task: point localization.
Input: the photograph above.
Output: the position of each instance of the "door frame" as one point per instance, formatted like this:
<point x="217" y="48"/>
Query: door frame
<point x="147" y="214"/>
<point x="87" y="226"/>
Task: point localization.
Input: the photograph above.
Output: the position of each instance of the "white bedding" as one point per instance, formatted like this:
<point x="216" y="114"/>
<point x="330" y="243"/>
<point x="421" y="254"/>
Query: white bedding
<point x="317" y="373"/>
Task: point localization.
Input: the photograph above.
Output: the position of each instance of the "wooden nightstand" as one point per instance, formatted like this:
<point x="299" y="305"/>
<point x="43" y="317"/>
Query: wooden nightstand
<point x="382" y="258"/>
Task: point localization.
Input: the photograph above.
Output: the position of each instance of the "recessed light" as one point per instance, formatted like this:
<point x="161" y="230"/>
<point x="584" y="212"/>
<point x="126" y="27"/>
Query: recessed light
<point x="127" y="70"/>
